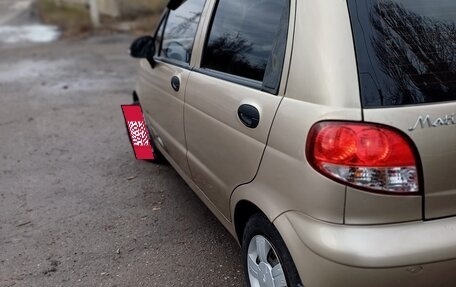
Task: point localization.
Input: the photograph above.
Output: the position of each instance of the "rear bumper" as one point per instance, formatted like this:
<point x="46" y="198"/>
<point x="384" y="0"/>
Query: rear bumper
<point x="411" y="254"/>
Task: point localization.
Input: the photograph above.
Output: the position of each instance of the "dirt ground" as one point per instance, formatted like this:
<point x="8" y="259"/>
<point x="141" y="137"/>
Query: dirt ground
<point x="76" y="208"/>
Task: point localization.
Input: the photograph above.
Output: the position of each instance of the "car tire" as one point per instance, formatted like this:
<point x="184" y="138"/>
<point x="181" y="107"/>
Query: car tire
<point x="265" y="257"/>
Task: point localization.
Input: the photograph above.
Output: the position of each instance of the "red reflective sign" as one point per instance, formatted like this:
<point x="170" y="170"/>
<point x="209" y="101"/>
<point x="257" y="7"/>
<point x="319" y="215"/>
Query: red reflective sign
<point x="138" y="132"/>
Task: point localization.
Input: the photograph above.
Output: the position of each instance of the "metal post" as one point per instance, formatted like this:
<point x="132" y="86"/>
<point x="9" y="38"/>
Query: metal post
<point x="94" y="13"/>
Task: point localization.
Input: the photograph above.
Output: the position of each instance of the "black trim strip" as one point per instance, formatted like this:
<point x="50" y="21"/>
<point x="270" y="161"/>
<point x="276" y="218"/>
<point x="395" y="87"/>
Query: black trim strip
<point x="230" y="78"/>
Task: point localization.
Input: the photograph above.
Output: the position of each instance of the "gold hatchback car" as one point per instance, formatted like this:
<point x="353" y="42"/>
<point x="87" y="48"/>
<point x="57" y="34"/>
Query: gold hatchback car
<point x="322" y="134"/>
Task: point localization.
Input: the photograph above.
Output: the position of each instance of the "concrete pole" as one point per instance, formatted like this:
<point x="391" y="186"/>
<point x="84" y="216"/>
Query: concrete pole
<point x="94" y="13"/>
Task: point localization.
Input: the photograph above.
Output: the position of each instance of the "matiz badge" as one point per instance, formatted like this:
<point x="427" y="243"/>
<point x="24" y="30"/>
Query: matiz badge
<point x="428" y="122"/>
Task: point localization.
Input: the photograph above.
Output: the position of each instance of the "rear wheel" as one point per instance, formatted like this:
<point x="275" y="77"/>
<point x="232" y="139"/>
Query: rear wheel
<point x="267" y="261"/>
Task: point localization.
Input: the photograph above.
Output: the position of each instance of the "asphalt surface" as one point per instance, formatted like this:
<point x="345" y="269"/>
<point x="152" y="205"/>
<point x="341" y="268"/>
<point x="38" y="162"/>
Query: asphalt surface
<point x="76" y="208"/>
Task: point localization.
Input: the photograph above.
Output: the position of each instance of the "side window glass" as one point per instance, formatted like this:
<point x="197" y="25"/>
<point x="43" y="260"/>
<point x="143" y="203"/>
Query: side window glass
<point x="180" y="31"/>
<point x="248" y="39"/>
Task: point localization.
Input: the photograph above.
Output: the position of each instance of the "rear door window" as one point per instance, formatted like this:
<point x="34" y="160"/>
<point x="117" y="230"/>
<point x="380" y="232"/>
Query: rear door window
<point x="406" y="50"/>
<point x="248" y="39"/>
<point x="180" y="31"/>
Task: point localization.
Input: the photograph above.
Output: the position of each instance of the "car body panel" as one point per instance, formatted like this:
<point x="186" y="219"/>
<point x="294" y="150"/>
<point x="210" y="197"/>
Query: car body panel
<point x="323" y="69"/>
<point x="436" y="146"/>
<point x="328" y="255"/>
<point x="203" y="29"/>
<point x="366" y="208"/>
<point x="380" y="246"/>
<point x="167" y="124"/>
<point x="222" y="152"/>
<point x="201" y="195"/>
<point x="285" y="180"/>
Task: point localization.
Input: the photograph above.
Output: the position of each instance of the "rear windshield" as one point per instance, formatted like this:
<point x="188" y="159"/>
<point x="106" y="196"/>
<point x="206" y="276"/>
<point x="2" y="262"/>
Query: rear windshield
<point x="406" y="51"/>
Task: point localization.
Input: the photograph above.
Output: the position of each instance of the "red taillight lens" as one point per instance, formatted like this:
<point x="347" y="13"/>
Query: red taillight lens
<point x="369" y="156"/>
<point x="336" y="144"/>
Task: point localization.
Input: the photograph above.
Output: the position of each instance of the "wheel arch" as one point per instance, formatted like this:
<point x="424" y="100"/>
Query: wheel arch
<point x="253" y="198"/>
<point x="243" y="211"/>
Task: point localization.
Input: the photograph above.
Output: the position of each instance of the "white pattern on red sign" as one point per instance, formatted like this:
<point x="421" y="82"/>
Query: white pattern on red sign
<point x="138" y="132"/>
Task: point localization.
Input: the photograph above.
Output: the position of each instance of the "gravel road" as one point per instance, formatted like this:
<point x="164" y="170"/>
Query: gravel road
<point x="76" y="208"/>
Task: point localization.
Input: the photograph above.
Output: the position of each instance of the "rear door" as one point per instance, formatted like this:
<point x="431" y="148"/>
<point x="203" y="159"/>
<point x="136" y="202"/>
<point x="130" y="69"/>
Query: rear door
<point x="231" y="99"/>
<point x="407" y="60"/>
<point x="162" y="89"/>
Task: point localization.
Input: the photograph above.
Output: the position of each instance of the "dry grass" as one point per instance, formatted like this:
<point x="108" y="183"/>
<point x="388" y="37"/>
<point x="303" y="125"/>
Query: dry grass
<point x="73" y="20"/>
<point x="135" y="8"/>
<point x="140" y="17"/>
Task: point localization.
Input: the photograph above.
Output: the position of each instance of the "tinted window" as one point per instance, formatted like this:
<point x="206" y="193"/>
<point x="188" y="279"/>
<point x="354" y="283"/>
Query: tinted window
<point x="180" y="31"/>
<point x="406" y="50"/>
<point x="248" y="38"/>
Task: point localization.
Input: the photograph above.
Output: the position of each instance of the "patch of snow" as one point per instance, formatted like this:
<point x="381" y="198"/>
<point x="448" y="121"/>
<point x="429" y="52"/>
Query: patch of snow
<point x="29" y="33"/>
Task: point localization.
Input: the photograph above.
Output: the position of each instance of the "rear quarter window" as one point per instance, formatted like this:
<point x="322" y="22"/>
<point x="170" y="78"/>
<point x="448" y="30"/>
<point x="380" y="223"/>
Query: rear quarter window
<point x="406" y="50"/>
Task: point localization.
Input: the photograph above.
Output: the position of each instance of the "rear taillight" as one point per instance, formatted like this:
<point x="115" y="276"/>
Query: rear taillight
<point x="367" y="156"/>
